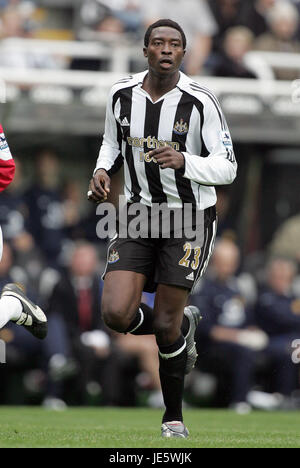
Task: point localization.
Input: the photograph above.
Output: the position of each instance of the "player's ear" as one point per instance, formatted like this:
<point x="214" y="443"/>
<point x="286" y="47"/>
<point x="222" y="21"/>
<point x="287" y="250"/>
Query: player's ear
<point x="145" y="52"/>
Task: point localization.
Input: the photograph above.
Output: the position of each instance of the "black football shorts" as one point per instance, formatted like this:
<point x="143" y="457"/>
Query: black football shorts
<point x="172" y="261"/>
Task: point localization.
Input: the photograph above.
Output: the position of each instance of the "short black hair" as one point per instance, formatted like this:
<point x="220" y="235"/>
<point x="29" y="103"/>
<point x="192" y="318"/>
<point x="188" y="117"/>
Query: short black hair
<point x="167" y="23"/>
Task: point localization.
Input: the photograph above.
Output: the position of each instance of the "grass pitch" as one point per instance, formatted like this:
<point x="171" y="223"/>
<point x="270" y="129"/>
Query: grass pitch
<point x="140" y="428"/>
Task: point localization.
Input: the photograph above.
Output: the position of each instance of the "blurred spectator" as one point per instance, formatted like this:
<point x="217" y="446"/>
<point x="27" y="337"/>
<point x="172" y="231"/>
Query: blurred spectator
<point x="278" y="314"/>
<point x="6" y="275"/>
<point x="111" y="25"/>
<point x="76" y="299"/>
<point x="237" y="42"/>
<point x="115" y="17"/>
<point x="283" y="19"/>
<point x="226" y="13"/>
<point x="45" y="217"/>
<point x="297" y="5"/>
<point x="226" y="337"/>
<point x="72" y="200"/>
<point x="197" y="21"/>
<point x="144" y="348"/>
<point x="254" y="15"/>
<point x="225" y="226"/>
<point x="286" y="240"/>
<point x="16" y="21"/>
<point x="29" y="261"/>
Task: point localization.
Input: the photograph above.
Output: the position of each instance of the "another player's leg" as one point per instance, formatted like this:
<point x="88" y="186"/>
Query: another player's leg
<point x="168" y="310"/>
<point x="15" y="306"/>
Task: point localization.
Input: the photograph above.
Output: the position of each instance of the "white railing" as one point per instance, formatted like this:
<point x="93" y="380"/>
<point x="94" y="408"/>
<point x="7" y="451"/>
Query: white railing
<point x="118" y="54"/>
<point x="86" y="79"/>
<point x="56" y="85"/>
<point x="264" y="63"/>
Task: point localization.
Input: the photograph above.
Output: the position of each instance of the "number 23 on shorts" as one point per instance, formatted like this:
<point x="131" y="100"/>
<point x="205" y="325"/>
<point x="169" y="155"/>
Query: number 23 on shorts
<point x="186" y="261"/>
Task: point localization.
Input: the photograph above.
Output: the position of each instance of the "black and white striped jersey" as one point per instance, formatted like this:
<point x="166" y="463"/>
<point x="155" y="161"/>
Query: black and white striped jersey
<point x="189" y="119"/>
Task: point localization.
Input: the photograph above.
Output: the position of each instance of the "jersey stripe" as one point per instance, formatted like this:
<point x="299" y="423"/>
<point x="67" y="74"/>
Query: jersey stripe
<point x="120" y="160"/>
<point x="184" y="111"/>
<point x="199" y="106"/>
<point x="165" y="132"/>
<point x="126" y="107"/>
<point x="214" y="100"/>
<point x="152" y="169"/>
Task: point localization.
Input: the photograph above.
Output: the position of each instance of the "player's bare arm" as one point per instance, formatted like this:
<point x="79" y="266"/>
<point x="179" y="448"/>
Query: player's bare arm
<point x="167" y="157"/>
<point x="99" y="187"/>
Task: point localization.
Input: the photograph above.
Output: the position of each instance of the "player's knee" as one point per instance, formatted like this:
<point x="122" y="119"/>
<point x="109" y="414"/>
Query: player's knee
<point x="115" y="318"/>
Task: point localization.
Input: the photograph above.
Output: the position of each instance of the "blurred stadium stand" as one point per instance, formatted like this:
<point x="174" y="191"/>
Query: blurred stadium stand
<point x="55" y="74"/>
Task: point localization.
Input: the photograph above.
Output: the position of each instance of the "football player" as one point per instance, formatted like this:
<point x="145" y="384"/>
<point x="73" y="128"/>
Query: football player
<point x="14" y="304"/>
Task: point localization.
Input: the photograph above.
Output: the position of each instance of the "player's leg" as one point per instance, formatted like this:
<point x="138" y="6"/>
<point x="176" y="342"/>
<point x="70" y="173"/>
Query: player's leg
<point x="130" y="263"/>
<point x="15" y="306"/>
<point x="9" y="308"/>
<point x="121" y="298"/>
<point x="168" y="310"/>
<point x="122" y="309"/>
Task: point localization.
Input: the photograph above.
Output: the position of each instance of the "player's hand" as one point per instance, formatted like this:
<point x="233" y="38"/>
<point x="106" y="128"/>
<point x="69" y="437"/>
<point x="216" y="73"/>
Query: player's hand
<point x="99" y="187"/>
<point x="167" y="157"/>
<point x="257" y="340"/>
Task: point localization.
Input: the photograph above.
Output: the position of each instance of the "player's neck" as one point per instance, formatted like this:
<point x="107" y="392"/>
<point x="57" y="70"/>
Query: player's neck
<point x="157" y="85"/>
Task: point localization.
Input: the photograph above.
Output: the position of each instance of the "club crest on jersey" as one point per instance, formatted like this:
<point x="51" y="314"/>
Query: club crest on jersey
<point x="113" y="256"/>
<point x="181" y="127"/>
<point x="3" y="142"/>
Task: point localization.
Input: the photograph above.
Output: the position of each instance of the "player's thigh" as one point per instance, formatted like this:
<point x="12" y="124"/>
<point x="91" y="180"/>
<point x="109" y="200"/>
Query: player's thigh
<point x="121" y="296"/>
<point x="129" y="263"/>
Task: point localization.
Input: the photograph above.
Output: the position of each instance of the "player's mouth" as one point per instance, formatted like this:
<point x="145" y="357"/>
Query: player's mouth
<point x="166" y="62"/>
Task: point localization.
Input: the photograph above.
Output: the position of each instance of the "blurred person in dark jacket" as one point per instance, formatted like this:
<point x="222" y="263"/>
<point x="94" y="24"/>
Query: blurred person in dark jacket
<point x="226" y="13"/>
<point x="230" y="60"/>
<point x="278" y="314"/>
<point x="227" y="335"/>
<point x="45" y="214"/>
<point x="254" y="15"/>
<point x="76" y="299"/>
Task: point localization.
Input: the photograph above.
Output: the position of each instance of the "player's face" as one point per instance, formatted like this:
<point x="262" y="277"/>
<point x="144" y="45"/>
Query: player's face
<point x="165" y="50"/>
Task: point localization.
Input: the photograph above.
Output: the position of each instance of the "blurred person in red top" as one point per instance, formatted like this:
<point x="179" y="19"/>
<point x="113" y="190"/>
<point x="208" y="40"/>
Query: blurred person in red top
<point x="14" y="305"/>
<point x="7" y="170"/>
<point x="7" y="163"/>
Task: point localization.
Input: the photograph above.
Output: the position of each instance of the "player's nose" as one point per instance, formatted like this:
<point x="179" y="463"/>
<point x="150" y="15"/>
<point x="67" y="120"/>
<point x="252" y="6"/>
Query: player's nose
<point x="166" y="50"/>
